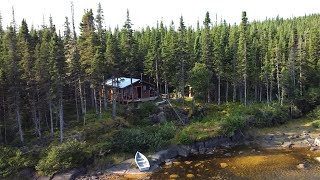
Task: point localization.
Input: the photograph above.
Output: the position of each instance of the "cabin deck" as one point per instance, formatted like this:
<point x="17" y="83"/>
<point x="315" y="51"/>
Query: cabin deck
<point x="140" y="99"/>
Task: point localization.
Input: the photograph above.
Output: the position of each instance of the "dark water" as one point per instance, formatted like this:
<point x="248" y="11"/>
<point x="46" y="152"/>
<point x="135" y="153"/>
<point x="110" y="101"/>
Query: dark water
<point x="245" y="163"/>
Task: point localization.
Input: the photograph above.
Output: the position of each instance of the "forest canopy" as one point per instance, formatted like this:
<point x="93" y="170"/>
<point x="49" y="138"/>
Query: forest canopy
<point x="44" y="72"/>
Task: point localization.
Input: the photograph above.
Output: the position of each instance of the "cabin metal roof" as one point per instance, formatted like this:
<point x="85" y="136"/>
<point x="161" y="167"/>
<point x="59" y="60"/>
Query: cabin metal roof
<point x="122" y="82"/>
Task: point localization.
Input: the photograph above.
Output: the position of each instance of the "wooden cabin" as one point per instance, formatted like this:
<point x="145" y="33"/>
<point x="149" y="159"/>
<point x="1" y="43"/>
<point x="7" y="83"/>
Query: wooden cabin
<point x="142" y="91"/>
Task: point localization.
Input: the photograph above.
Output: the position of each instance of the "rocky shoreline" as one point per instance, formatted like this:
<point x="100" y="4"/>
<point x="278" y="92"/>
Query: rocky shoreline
<point x="128" y="169"/>
<point x="274" y="138"/>
<point x="271" y="141"/>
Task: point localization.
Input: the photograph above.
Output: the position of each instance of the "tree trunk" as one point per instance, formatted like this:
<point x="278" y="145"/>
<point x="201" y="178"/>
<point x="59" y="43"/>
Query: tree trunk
<point x="278" y="76"/>
<point x="114" y="106"/>
<point x="267" y="88"/>
<point x="227" y="92"/>
<point x="182" y="81"/>
<point x="219" y="89"/>
<point x="4" y="121"/>
<point x="190" y="92"/>
<point x="95" y="100"/>
<point x="241" y="94"/>
<point x="51" y="117"/>
<point x="271" y="88"/>
<point x="157" y="76"/>
<point x="61" y="121"/>
<point x="18" y="118"/>
<point x="100" y="108"/>
<point x="282" y="96"/>
<point x="76" y="101"/>
<point x="166" y="88"/>
<point x="45" y="118"/>
<point x="131" y="89"/>
<point x="82" y="101"/>
<point x="260" y="93"/>
<point x="256" y="92"/>
<point x="92" y="97"/>
<point x="234" y="97"/>
<point x="114" y="102"/>
<point x="84" y="106"/>
<point x="39" y="124"/>
<point x="245" y="89"/>
<point x="104" y="93"/>
<point x="34" y="116"/>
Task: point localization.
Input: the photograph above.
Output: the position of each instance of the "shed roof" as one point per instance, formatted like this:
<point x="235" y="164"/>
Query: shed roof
<point x="122" y="82"/>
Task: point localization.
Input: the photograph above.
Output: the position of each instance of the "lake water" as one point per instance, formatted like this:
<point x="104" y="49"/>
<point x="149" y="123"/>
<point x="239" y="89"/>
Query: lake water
<point x="245" y="163"/>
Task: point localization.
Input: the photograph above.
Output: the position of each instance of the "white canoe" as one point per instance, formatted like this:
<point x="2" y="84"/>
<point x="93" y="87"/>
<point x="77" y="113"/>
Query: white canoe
<point x="142" y="162"/>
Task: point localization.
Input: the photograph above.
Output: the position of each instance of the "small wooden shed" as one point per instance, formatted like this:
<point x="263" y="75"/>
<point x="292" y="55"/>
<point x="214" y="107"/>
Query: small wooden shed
<point x="142" y="91"/>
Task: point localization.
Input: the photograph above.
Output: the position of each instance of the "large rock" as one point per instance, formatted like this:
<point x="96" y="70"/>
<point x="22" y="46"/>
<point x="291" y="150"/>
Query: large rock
<point x="43" y="178"/>
<point x="223" y="165"/>
<point x="27" y="173"/>
<point x="301" y="166"/>
<point x="70" y="175"/>
<point x="201" y="147"/>
<point x="161" y="156"/>
<point x="211" y="143"/>
<point x="183" y="150"/>
<point x="194" y="149"/>
<point x="317" y="142"/>
<point x="161" y="117"/>
<point x="287" y="144"/>
<point x="314" y="148"/>
<point x="154" y="118"/>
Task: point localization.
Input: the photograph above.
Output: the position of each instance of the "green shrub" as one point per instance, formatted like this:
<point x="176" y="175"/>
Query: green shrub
<point x="316" y="112"/>
<point x="63" y="156"/>
<point x="198" y="131"/>
<point x="143" y="138"/>
<point x="313" y="96"/>
<point x="316" y="124"/>
<point x="227" y="118"/>
<point x="101" y="148"/>
<point x="11" y="160"/>
<point x="231" y="123"/>
<point x="270" y="115"/>
<point x="140" y="115"/>
<point x="184" y="138"/>
<point x="147" y="108"/>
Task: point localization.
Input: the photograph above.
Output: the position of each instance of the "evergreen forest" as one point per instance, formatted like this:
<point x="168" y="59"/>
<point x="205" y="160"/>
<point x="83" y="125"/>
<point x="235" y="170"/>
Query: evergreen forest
<point x="52" y="80"/>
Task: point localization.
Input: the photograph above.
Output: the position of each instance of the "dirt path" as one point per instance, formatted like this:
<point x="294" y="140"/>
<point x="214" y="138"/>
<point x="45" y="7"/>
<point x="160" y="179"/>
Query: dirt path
<point x="296" y="133"/>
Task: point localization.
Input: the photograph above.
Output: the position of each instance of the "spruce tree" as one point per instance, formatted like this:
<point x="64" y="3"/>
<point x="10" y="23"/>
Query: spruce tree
<point x="207" y="50"/>
<point x="182" y="56"/>
<point x="87" y="49"/>
<point x="243" y="53"/>
<point x="12" y="71"/>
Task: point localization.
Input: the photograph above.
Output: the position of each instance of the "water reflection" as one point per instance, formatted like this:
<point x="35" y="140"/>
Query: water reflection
<point x="245" y="163"/>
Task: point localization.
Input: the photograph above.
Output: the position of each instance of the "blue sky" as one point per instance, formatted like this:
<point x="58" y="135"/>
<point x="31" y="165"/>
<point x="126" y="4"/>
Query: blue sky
<point x="148" y="12"/>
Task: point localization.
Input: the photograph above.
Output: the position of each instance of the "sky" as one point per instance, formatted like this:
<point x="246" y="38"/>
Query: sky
<point x="148" y="12"/>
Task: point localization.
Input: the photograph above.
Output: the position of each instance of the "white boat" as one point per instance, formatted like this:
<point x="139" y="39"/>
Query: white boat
<point x="142" y="162"/>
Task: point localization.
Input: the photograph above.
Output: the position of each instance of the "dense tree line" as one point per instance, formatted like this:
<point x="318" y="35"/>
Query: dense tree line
<point x="44" y="72"/>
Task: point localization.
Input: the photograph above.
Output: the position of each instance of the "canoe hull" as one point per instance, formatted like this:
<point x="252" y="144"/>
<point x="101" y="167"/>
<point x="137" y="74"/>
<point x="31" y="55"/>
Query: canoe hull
<point x="142" y="162"/>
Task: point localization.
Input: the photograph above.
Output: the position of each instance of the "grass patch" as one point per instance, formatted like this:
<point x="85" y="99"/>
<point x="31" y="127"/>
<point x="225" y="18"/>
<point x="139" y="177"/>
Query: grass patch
<point x="198" y="131"/>
<point x="226" y="119"/>
<point x="143" y="138"/>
